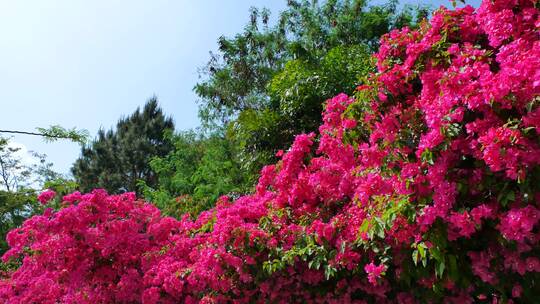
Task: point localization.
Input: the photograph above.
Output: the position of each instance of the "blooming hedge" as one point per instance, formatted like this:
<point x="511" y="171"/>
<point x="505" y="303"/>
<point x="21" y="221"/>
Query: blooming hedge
<point x="424" y="187"/>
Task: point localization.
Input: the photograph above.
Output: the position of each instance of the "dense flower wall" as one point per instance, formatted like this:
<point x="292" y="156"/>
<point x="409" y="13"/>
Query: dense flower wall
<point x="424" y="187"/>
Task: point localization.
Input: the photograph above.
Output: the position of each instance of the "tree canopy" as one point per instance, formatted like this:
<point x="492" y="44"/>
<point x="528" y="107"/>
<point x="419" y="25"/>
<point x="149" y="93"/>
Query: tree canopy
<point x="21" y="178"/>
<point x="267" y="84"/>
<point x="270" y="81"/>
<point x="196" y="173"/>
<point x="119" y="158"/>
<point x="237" y="77"/>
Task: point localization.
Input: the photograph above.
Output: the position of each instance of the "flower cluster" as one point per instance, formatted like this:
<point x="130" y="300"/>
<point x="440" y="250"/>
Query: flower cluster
<point x="93" y="250"/>
<point x="46" y="196"/>
<point x="423" y="187"/>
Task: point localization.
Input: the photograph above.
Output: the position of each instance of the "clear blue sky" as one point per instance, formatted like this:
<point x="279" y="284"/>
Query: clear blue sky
<point x="84" y="64"/>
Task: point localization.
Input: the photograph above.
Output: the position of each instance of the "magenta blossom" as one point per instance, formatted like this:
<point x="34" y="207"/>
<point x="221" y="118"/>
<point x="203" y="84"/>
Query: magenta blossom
<point x="374" y="272"/>
<point x="46" y="196"/>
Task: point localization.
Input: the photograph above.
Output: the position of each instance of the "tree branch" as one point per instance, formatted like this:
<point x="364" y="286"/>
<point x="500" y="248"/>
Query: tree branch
<point x="55" y="132"/>
<point x="33" y="133"/>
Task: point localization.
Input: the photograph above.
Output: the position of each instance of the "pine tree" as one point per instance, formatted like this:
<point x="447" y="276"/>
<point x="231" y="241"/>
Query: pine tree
<point x="119" y="158"/>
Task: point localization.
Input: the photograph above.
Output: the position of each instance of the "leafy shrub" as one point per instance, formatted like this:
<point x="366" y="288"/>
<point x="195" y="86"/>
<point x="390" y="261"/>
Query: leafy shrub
<point x="195" y="174"/>
<point x="15" y="207"/>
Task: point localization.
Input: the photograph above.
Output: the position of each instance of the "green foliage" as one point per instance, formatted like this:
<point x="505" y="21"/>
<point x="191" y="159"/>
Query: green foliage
<point x="15" y="207"/>
<point x="264" y="86"/>
<point x="269" y="83"/>
<point x="16" y="174"/>
<point x="237" y="77"/>
<point x="195" y="174"/>
<point x="297" y="95"/>
<point x="117" y="159"/>
<point x="13" y="172"/>
<point x="18" y="184"/>
<point x="56" y="132"/>
<point x="61" y="185"/>
<point x="257" y="134"/>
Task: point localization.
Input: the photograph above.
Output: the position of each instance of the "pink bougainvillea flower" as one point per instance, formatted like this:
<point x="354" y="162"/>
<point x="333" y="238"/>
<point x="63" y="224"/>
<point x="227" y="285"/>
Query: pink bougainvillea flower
<point x="374" y="272"/>
<point x="46" y="196"/>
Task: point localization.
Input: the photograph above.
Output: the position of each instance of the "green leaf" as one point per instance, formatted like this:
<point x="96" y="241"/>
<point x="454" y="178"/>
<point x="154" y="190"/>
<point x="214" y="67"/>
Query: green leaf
<point x="329" y="271"/>
<point x="453" y="270"/>
<point x="511" y="196"/>
<point x="415" y="257"/>
<point x="364" y="227"/>
<point x="427" y="157"/>
<point x="439" y="270"/>
<point x="423" y="254"/>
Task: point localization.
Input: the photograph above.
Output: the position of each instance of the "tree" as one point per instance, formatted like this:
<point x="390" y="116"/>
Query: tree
<point x="21" y="179"/>
<point x="13" y="172"/>
<point x="117" y="159"/>
<point x="237" y="77"/>
<point x="199" y="170"/>
<point x="269" y="83"/>
<point x="297" y="94"/>
<point x="15" y="208"/>
<point x="16" y="174"/>
<point x="19" y="183"/>
<point x="265" y="85"/>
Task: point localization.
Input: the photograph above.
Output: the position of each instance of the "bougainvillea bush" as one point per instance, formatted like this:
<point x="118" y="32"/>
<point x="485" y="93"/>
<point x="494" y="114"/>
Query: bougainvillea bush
<point x="424" y="187"/>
